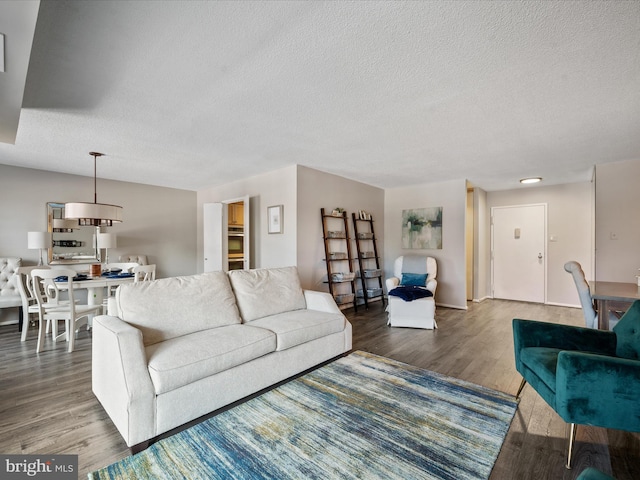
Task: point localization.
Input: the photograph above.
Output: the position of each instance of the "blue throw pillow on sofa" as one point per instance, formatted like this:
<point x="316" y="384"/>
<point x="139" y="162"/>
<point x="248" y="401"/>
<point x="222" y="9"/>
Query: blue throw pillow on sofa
<point x="414" y="279"/>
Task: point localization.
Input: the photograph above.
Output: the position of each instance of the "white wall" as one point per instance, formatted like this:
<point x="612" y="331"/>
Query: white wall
<point x="451" y="196"/>
<point x="265" y="190"/>
<point x="302" y="191"/>
<point x="159" y="222"/>
<point x="318" y="190"/>
<point x="570" y="218"/>
<point x="618" y="202"/>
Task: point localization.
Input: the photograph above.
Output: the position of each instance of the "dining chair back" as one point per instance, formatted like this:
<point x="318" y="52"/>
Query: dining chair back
<point x="588" y="310"/>
<point x="125" y="267"/>
<point x="28" y="297"/>
<point x="47" y="285"/>
<point x="144" y="273"/>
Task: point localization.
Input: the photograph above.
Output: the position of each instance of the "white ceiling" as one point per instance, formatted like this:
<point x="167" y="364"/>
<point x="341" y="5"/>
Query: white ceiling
<point x="196" y="94"/>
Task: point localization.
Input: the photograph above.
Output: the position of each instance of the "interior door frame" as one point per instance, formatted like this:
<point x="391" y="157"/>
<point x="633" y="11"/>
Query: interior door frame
<point x="247" y="231"/>
<point x="545" y="246"/>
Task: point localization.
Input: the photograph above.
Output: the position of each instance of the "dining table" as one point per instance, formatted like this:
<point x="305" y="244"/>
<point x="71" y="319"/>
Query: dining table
<point x="95" y="286"/>
<point x="616" y="296"/>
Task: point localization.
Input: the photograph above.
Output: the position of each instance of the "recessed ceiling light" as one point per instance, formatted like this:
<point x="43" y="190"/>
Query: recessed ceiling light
<point x="531" y="180"/>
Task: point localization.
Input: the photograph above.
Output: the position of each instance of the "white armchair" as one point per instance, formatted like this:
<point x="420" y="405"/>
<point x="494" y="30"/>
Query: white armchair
<point x="418" y="313"/>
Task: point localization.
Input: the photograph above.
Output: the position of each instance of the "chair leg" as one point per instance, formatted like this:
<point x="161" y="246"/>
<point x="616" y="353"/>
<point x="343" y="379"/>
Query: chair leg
<point x="41" y="334"/>
<point x="71" y="332"/>
<point x="522" y="384"/>
<point x="572" y="435"/>
<point x="25" y="325"/>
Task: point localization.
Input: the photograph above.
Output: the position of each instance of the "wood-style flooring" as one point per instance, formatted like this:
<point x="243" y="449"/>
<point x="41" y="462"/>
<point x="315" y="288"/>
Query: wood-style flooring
<point x="46" y="403"/>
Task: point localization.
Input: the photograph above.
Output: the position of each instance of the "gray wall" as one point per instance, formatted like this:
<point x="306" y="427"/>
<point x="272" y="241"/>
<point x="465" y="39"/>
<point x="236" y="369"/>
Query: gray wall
<point x="617" y="204"/>
<point x="318" y="190"/>
<point x="159" y="222"/>
<point x="451" y="196"/>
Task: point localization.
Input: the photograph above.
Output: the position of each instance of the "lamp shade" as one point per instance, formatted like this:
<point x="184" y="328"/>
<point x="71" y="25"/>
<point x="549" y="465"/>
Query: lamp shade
<point x="96" y="214"/>
<point x="37" y="240"/>
<point x="107" y="240"/>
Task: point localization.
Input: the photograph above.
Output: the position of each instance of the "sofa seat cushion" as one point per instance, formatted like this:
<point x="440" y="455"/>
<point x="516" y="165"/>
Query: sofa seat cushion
<point x="267" y="291"/>
<point x="189" y="358"/>
<point x="172" y="307"/>
<point x="543" y="361"/>
<point x="10" y="301"/>
<point x="301" y="326"/>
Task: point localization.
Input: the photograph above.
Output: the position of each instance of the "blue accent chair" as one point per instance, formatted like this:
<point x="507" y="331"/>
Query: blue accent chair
<point x="589" y="377"/>
<point x="593" y="474"/>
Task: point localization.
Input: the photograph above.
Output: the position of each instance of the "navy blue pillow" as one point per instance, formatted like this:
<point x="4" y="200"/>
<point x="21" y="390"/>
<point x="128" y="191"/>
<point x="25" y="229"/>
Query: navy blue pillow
<point x="414" y="279"/>
<point x="410" y="292"/>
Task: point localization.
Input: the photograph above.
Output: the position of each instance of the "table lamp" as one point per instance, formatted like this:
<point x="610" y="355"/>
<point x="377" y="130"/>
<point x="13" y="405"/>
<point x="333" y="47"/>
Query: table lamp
<point x="40" y="241"/>
<point x="107" y="241"/>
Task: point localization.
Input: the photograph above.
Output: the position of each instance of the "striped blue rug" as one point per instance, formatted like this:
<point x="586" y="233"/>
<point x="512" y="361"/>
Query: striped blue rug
<point x="359" y="417"/>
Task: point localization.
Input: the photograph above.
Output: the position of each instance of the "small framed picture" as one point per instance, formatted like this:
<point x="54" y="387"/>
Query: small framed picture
<point x="274" y="218"/>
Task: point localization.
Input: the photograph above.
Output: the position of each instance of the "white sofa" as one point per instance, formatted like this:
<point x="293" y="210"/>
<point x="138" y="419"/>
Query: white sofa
<point x="175" y="349"/>
<point x="9" y="293"/>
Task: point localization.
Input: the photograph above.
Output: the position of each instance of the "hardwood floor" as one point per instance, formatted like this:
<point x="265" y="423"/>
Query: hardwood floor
<point x="46" y="403"/>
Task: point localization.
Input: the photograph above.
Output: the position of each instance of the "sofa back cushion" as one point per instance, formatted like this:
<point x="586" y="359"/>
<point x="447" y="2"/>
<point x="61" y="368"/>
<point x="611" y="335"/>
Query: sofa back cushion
<point x="176" y="306"/>
<point x="627" y="332"/>
<point x="267" y="291"/>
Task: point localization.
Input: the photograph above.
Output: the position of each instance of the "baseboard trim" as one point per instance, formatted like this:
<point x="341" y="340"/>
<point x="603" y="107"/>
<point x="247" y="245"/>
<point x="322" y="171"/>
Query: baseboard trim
<point x="457" y="307"/>
<point x="479" y="300"/>
<point x="557" y="304"/>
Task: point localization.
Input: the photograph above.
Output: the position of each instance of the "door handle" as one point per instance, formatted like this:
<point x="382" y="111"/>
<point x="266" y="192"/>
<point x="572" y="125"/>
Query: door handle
<point x="539" y="256"/>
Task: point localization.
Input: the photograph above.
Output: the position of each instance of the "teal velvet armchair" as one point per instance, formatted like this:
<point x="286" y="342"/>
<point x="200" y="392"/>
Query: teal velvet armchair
<point x="589" y="377"/>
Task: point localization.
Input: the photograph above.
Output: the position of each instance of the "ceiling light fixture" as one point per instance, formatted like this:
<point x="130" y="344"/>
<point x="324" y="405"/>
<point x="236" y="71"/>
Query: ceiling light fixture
<point x="93" y="214"/>
<point x="531" y="180"/>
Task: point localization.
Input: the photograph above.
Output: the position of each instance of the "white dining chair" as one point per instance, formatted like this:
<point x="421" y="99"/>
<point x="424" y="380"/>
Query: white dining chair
<point x="124" y="267"/>
<point x="144" y="273"/>
<point x="29" y="302"/>
<point x="52" y="308"/>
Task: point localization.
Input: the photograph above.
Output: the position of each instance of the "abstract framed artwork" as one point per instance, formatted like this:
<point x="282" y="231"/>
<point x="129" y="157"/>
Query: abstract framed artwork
<point x="422" y="228"/>
<point x="274" y="218"/>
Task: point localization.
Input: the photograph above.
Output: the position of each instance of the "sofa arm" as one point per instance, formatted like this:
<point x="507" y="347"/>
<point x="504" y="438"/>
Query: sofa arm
<point x="598" y="390"/>
<point x="321" y="301"/>
<point x="532" y="333"/>
<point x="391" y="283"/>
<point x="120" y="378"/>
<point x="432" y="285"/>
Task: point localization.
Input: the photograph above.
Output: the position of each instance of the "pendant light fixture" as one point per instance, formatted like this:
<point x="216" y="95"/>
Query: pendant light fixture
<point x="93" y="214"/>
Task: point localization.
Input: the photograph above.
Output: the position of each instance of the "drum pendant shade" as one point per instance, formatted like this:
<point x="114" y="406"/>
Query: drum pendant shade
<point x="93" y="214"/>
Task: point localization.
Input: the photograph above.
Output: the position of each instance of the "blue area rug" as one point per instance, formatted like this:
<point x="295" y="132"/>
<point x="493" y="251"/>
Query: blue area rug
<point x="361" y="416"/>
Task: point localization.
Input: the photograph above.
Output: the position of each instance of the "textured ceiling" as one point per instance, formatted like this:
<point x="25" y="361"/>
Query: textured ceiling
<point x="196" y="94"/>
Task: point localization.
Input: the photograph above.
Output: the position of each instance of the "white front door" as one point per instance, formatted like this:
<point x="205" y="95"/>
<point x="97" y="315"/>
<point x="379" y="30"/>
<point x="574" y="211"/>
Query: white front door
<point x="518" y="247"/>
